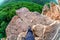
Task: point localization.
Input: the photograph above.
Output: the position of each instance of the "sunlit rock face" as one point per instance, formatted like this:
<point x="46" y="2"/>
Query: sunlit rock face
<point x="53" y="12"/>
<point x="43" y="27"/>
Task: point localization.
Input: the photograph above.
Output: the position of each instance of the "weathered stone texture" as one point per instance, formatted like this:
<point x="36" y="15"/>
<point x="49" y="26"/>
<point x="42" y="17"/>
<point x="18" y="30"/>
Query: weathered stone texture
<point x="43" y="27"/>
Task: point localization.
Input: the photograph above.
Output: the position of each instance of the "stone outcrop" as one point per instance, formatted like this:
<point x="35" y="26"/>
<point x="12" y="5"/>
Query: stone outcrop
<point x="45" y="9"/>
<point x="43" y="27"/>
<point x="53" y="12"/>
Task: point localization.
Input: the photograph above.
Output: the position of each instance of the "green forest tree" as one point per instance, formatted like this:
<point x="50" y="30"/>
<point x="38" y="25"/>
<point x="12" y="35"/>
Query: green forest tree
<point x="35" y="1"/>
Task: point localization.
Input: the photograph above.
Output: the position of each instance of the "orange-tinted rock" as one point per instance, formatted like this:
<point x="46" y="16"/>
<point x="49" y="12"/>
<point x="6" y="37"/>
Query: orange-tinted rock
<point x="53" y="12"/>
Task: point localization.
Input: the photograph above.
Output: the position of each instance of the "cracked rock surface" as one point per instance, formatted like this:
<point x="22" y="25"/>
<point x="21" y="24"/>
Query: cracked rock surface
<point x="43" y="27"/>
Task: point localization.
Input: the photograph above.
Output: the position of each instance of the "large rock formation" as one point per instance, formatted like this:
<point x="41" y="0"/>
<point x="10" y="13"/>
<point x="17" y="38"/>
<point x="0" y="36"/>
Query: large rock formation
<point x="42" y="26"/>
